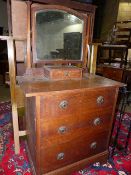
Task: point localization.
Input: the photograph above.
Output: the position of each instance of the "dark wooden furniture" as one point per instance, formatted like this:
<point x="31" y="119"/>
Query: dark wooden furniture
<point x="114" y="73"/>
<point x="113" y="51"/>
<point x="116" y="48"/>
<point x="72" y="45"/>
<point x="4" y="67"/>
<point x="3" y="59"/>
<point x="118" y="73"/>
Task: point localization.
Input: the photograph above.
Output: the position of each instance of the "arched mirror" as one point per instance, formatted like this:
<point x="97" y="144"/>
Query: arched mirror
<point x="58" y="35"/>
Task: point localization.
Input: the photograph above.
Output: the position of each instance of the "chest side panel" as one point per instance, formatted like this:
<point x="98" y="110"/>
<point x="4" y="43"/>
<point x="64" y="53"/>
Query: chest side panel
<point x="31" y="127"/>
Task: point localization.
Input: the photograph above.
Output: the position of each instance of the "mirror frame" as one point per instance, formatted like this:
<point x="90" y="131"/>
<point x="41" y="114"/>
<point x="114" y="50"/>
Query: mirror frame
<point x="83" y="17"/>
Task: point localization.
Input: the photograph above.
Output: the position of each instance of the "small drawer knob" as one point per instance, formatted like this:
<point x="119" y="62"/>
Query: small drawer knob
<point x="63" y="104"/>
<point x="66" y="74"/>
<point x="62" y="130"/>
<point x="60" y="156"/>
<point x="93" y="145"/>
<point x="100" y="100"/>
<point x="97" y="121"/>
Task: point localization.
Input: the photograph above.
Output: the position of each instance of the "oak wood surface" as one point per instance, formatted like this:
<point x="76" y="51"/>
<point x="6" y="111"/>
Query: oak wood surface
<point x="61" y="115"/>
<point x="62" y="72"/>
<point x="47" y="87"/>
<point x="78" y="117"/>
<point x="67" y="170"/>
<point x="74" y="151"/>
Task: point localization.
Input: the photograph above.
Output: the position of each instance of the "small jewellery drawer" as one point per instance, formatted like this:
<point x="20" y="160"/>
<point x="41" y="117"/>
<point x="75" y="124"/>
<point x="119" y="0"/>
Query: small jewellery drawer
<point x="61" y="105"/>
<point x="66" y="129"/>
<point x="63" y="154"/>
<point x="93" y="99"/>
<point x="62" y="72"/>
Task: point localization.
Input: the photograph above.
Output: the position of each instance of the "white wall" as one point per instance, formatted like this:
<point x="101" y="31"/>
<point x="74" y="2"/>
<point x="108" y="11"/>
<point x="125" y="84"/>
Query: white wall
<point x="3" y="15"/>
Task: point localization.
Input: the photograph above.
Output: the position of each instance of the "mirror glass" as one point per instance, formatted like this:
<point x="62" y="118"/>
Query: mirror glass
<point x="58" y="35"/>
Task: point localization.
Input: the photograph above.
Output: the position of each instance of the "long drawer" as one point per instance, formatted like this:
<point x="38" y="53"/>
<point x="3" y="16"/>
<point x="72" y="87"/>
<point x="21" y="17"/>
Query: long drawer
<point x="60" y="155"/>
<point x="66" y="129"/>
<point x="65" y="104"/>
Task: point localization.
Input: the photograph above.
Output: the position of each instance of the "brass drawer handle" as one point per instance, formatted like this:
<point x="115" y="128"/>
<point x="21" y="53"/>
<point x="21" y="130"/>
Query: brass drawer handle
<point x="62" y="130"/>
<point x="66" y="74"/>
<point x="93" y="145"/>
<point x="63" y="104"/>
<point x="97" y="121"/>
<point x="60" y="156"/>
<point x="100" y="100"/>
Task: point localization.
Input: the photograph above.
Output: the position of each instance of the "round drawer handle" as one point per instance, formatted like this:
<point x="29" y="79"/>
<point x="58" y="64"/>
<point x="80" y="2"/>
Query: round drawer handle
<point x="66" y="74"/>
<point x="93" y="145"/>
<point x="63" y="104"/>
<point x="100" y="100"/>
<point x="62" y="130"/>
<point x="60" y="156"/>
<point x="97" y="121"/>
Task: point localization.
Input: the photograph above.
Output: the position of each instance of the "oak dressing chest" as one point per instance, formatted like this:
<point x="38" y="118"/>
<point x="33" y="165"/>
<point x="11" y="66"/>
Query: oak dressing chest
<point x="69" y="114"/>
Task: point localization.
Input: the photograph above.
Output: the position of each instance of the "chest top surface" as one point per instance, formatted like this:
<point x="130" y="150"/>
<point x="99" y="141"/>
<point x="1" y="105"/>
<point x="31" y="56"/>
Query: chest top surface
<point x="48" y="86"/>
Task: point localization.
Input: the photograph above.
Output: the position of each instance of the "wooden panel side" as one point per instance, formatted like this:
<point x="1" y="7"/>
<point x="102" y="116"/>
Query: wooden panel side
<point x="31" y="128"/>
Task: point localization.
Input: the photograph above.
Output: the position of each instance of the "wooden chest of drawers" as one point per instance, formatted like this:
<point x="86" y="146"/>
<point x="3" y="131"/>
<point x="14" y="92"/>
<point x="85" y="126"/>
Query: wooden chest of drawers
<point x="69" y="123"/>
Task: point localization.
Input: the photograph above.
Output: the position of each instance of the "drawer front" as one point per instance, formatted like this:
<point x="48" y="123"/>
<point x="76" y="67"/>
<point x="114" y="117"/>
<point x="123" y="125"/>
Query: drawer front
<point x="60" y="105"/>
<point x="66" y="74"/>
<point x="63" y="130"/>
<point x="98" y="99"/>
<point x="62" y="73"/>
<point x="60" y="155"/>
<point x="71" y="103"/>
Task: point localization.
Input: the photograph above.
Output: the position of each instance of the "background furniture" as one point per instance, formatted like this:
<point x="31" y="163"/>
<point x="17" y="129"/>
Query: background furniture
<point x="116" y="48"/>
<point x="72" y="45"/>
<point x="116" y="73"/>
<point x="3" y="59"/>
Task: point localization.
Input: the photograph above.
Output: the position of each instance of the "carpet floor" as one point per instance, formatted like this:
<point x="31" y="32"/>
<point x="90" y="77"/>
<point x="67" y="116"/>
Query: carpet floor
<point x="11" y="164"/>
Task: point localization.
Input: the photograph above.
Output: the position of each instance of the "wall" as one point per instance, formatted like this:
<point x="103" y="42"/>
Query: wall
<point x="3" y="16"/>
<point x="124" y="14"/>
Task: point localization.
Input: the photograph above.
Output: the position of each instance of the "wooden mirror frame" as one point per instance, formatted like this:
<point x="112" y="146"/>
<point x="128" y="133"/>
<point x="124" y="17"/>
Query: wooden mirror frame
<point x="70" y="11"/>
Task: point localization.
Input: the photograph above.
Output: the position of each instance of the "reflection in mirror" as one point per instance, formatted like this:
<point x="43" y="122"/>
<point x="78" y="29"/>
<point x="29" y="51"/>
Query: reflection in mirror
<point x="58" y="35"/>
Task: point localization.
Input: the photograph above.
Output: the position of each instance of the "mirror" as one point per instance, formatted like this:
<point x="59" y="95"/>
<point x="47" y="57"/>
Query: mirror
<point x="58" y="36"/>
